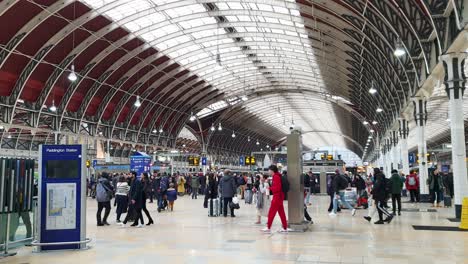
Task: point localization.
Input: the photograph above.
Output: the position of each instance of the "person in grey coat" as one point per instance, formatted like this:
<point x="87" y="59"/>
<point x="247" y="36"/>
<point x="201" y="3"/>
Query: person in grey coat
<point x="228" y="190"/>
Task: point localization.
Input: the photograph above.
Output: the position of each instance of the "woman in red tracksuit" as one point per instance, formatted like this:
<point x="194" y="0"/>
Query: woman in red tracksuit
<point x="277" y="201"/>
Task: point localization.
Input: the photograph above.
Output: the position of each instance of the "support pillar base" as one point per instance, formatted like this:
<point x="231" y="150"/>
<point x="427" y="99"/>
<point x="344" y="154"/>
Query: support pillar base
<point x="300" y="228"/>
<point x="458" y="211"/>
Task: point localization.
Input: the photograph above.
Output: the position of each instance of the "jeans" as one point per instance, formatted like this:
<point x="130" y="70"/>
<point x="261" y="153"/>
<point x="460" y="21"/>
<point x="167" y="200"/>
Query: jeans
<point x="226" y="205"/>
<point x="194" y="193"/>
<point x="396" y="200"/>
<point x="307" y="199"/>
<point x="102" y="205"/>
<point x="440" y="196"/>
<point x="345" y="203"/>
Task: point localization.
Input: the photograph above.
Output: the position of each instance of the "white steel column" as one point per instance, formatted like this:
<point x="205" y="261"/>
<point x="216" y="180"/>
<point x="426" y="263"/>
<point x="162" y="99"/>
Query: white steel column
<point x="420" y="117"/>
<point x="404" y="131"/>
<point x="395" y="156"/>
<point x="455" y="80"/>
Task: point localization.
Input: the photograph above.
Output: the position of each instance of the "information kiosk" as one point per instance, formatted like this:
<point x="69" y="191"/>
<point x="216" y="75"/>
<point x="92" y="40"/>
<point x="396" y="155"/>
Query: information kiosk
<point x="62" y="197"/>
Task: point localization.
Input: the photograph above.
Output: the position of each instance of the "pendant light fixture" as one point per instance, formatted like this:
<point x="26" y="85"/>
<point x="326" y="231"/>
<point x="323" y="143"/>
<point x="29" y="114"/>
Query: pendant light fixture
<point x="137" y="101"/>
<point x="258" y="143"/>
<point x="212" y="127"/>
<point x="53" y="108"/>
<point x="248" y="139"/>
<point x="372" y="90"/>
<point x="233" y="134"/>
<point x="161" y="130"/>
<point x="220" y="128"/>
<point x="192" y="117"/>
<point x="72" y="76"/>
<point x="399" y="49"/>
<point x="379" y="110"/>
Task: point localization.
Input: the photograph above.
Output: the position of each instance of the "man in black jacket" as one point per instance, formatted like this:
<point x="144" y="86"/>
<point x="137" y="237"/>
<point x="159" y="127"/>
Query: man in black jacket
<point x="340" y="183"/>
<point x="379" y="194"/>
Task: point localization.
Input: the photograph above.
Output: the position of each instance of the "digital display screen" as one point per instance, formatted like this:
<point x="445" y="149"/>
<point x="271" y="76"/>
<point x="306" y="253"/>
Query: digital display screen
<point x="62" y="169"/>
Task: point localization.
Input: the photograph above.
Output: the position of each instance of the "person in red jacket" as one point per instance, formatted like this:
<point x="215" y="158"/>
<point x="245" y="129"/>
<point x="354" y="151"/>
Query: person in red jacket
<point x="412" y="185"/>
<point x="277" y="201"/>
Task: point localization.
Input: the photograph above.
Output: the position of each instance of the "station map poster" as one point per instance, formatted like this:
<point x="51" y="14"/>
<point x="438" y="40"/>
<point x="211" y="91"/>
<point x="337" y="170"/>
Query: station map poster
<point x="61" y="209"/>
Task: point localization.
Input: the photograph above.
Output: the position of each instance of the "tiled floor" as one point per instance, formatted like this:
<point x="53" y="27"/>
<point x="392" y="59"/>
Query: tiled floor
<point x="188" y="236"/>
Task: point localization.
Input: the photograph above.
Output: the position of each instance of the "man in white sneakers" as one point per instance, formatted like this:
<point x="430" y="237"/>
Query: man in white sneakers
<point x="340" y="183"/>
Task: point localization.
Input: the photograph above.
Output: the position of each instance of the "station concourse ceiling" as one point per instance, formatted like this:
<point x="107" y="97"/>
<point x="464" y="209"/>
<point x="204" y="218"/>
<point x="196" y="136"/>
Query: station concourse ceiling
<point x="257" y="67"/>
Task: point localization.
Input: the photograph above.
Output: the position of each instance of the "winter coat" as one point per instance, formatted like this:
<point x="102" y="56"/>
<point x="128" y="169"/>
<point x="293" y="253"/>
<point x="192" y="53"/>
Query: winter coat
<point x="137" y="193"/>
<point x="212" y="189"/>
<point x="195" y="183"/>
<point x="181" y="185"/>
<point x="307" y="181"/>
<point x="202" y="180"/>
<point x="397" y="183"/>
<point x="340" y="183"/>
<point x="431" y="181"/>
<point x="264" y="192"/>
<point x="378" y="191"/>
<point x="171" y="194"/>
<point x="412" y="187"/>
<point x="228" y="186"/>
<point x="107" y="190"/>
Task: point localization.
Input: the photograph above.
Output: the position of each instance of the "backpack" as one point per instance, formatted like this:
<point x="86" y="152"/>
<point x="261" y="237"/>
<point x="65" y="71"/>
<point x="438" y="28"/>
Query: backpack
<point x="388" y="186"/>
<point x="342" y="182"/>
<point x="411" y="181"/>
<point x="102" y="194"/>
<point x="285" y="184"/>
<point x="164" y="184"/>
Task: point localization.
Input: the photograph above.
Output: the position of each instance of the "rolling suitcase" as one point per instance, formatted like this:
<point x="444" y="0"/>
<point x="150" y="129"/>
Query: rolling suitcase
<point x="213" y="207"/>
<point x="447" y="201"/>
<point x="248" y="196"/>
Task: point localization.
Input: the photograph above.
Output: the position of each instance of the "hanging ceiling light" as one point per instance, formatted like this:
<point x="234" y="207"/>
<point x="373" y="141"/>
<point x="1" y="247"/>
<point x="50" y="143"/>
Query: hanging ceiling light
<point x="233" y="135"/>
<point x="9" y="135"/>
<point x="192" y="117"/>
<point x="372" y="90"/>
<point x="267" y="146"/>
<point x="220" y="128"/>
<point x="379" y="110"/>
<point x="212" y="128"/>
<point x="161" y="130"/>
<point x="72" y="76"/>
<point x="183" y="145"/>
<point x="374" y="122"/>
<point x="53" y="108"/>
<point x="399" y="49"/>
<point x="365" y="123"/>
<point x="258" y="143"/>
<point x="372" y="131"/>
<point x="155" y="131"/>
<point x="248" y="139"/>
<point x="137" y="101"/>
<point x="244" y="98"/>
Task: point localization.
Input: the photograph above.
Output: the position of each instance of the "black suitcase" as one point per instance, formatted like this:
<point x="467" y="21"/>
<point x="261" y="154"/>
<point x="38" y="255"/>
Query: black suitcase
<point x="447" y="201"/>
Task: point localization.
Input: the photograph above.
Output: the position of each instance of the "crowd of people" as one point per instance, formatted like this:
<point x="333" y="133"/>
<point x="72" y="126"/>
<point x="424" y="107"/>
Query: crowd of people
<point x="266" y="191"/>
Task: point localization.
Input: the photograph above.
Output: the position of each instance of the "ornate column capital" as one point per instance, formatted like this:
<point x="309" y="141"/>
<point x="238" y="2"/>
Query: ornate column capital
<point x="454" y="78"/>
